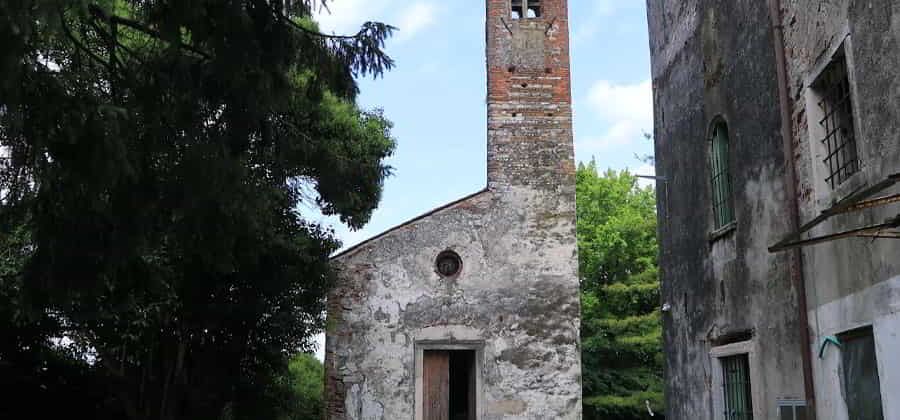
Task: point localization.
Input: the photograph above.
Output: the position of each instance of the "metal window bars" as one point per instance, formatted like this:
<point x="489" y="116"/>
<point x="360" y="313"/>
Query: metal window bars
<point x="842" y="158"/>
<point x="723" y="205"/>
<point x="736" y="386"/>
<point x="789" y="409"/>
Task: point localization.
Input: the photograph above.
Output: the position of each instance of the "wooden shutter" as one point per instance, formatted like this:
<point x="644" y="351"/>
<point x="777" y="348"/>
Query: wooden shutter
<point x="436" y="377"/>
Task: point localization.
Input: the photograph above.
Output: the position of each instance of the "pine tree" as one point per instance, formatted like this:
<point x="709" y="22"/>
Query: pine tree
<point x="155" y="154"/>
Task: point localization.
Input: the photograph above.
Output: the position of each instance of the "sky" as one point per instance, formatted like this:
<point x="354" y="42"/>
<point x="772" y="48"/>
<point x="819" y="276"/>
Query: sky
<point x="436" y="96"/>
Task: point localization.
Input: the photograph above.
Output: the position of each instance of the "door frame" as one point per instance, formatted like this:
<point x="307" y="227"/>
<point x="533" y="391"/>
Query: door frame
<point x="751" y="349"/>
<point x="450" y="345"/>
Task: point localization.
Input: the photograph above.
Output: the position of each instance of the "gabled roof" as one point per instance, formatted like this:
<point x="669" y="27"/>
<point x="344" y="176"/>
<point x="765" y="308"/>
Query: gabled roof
<point x="406" y="223"/>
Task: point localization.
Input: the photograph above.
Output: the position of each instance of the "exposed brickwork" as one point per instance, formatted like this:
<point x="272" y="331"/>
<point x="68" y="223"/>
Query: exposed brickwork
<point x="529" y="97"/>
<point x="516" y="298"/>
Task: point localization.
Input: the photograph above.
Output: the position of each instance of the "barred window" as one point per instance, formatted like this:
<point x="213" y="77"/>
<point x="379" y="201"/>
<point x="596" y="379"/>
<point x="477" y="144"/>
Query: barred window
<point x="526" y="9"/>
<point x="793" y="410"/>
<point x="720" y="169"/>
<point x="833" y="87"/>
<point x="736" y="387"/>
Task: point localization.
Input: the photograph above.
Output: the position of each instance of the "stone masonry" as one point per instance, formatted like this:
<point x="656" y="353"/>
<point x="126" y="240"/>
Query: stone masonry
<point x="804" y="87"/>
<point x="714" y="60"/>
<point x="515" y="301"/>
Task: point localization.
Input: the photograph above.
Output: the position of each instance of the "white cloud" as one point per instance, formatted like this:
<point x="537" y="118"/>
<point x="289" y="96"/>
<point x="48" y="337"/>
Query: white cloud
<point x="614" y="101"/>
<point x="346" y="16"/>
<point x="626" y="109"/>
<point x="590" y="24"/>
<point x="414" y="19"/>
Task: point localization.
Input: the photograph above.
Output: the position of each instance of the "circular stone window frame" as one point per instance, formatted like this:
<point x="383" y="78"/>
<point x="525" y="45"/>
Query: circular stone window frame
<point x="449" y="253"/>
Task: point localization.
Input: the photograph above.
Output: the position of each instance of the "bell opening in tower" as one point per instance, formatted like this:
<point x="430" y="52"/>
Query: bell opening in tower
<point x="525" y="9"/>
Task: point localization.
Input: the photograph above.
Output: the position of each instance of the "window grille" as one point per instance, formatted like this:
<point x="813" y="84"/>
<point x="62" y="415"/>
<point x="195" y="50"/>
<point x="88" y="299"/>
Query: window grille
<point x="736" y="386"/>
<point x="723" y="205"/>
<point x="526" y="9"/>
<point x="842" y="159"/>
<point x="792" y="410"/>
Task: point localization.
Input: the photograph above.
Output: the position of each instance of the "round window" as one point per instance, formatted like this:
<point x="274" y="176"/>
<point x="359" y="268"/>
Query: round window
<point x="448" y="264"/>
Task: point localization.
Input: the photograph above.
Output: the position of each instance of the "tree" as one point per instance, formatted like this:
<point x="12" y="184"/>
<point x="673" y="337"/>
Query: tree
<point x="621" y="327"/>
<point x="155" y="156"/>
<point x="306" y="379"/>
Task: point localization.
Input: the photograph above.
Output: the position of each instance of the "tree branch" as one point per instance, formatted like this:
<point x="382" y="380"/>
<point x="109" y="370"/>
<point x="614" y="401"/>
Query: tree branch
<point x="79" y="45"/>
<point x="357" y="36"/>
<point x="99" y="13"/>
<point x="109" y="37"/>
<point x="316" y="33"/>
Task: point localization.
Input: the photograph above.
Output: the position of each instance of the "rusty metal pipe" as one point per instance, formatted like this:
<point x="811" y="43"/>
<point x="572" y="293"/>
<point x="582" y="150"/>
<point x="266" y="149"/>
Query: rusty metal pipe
<point x="796" y="256"/>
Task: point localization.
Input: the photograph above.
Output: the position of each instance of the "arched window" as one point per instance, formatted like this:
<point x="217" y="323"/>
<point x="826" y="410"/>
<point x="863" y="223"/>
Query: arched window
<point x="720" y="172"/>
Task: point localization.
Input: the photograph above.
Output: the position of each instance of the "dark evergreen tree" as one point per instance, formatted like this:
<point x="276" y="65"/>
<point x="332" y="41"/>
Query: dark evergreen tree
<point x="155" y="262"/>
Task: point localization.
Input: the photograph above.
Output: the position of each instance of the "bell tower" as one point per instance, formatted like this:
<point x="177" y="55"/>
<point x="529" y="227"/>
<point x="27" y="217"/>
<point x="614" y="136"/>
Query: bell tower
<point x="529" y="94"/>
<point x="472" y="311"/>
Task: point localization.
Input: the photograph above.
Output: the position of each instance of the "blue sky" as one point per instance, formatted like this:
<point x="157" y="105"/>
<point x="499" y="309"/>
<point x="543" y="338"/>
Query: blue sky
<point x="436" y="96"/>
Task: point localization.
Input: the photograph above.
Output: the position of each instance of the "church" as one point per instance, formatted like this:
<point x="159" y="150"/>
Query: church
<point x="471" y="311"/>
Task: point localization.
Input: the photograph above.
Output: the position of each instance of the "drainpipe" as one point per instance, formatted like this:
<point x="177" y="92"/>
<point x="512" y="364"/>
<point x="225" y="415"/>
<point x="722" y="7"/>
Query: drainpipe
<point x="796" y="255"/>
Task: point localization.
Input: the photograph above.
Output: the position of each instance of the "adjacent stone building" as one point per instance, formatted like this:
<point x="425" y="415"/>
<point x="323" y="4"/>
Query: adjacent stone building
<point x="777" y="133"/>
<point x="472" y="310"/>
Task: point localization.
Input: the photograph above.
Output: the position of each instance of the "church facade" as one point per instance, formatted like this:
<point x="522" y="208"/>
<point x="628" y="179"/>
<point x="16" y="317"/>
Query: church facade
<point x="472" y="311"/>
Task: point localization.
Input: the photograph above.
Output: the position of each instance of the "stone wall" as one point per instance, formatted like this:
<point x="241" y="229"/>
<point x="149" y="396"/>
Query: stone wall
<point x="813" y="29"/>
<point x="517" y="297"/>
<point x="715" y="60"/>
<point x="517" y="294"/>
<point x="529" y="98"/>
<point x="852" y="282"/>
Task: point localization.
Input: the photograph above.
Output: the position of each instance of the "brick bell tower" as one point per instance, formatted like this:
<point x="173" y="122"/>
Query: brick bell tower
<point x="529" y="94"/>
<point x="471" y="311"/>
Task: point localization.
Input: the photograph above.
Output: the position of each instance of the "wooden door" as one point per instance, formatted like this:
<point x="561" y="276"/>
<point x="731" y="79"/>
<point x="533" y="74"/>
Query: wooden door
<point x="472" y="397"/>
<point x="436" y="389"/>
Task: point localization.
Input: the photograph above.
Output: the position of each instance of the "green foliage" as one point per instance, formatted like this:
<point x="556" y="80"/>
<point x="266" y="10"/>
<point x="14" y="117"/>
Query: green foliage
<point x="616" y="227"/>
<point x="621" y="328"/>
<point x="153" y="159"/>
<point x="306" y="379"/>
<point x="640" y="297"/>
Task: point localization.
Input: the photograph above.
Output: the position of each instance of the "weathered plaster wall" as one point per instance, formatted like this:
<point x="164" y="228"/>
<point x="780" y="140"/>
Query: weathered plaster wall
<point x="851" y="282"/>
<point x="517" y="297"/>
<point x="517" y="293"/>
<point x="715" y="59"/>
<point x="812" y="30"/>
<point x="879" y="307"/>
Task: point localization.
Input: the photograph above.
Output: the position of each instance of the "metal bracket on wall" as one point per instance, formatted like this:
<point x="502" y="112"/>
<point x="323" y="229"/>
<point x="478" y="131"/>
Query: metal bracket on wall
<point x="507" y="26"/>
<point x="550" y="26"/>
<point x="857" y="201"/>
<point x="665" y="182"/>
